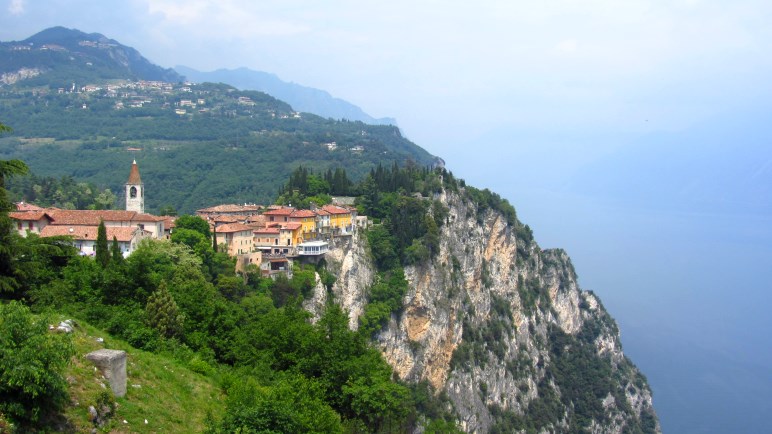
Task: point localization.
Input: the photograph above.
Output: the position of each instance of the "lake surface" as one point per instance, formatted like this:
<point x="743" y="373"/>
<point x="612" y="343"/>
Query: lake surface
<point x="674" y="233"/>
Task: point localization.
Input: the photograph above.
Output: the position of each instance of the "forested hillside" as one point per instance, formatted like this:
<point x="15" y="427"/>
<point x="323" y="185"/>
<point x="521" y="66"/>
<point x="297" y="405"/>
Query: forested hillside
<point x="196" y="145"/>
<point x="80" y="108"/>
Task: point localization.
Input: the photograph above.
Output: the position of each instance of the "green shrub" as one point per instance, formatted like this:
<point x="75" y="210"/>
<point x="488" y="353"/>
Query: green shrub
<point x="31" y="365"/>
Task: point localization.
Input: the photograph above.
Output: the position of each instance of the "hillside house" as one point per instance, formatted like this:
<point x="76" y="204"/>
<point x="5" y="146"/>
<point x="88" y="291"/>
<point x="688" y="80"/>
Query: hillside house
<point x="30" y="221"/>
<point x="237" y="238"/>
<point x="307" y="220"/>
<point x="341" y="219"/>
<point x="37" y="221"/>
<point x="279" y="215"/>
<point x="84" y="237"/>
<point x="322" y="222"/>
<point x="312" y="248"/>
<point x="229" y="209"/>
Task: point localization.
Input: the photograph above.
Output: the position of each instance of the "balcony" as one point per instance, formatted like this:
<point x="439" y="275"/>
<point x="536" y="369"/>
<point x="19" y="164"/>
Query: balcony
<point x="313" y="248"/>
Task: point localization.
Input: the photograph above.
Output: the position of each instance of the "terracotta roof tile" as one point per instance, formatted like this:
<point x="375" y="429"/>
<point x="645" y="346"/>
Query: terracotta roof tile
<point x="88" y="232"/>
<point x="280" y="212"/>
<point x="92" y="218"/>
<point x="225" y="219"/>
<point x="227" y="208"/>
<point x="332" y="209"/>
<point x="291" y="226"/>
<point x="302" y="213"/>
<point x="233" y="227"/>
<point x="22" y="206"/>
<point x="28" y="215"/>
<point x="267" y="231"/>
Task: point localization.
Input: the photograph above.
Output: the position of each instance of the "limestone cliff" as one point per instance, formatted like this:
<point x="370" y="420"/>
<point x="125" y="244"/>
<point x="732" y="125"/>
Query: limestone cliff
<point x="503" y="329"/>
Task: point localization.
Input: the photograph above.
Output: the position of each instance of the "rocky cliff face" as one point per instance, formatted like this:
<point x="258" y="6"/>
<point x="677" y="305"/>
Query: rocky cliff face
<point x="502" y="329"/>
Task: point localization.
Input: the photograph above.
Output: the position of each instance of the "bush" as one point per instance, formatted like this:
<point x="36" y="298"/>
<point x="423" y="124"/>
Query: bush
<point x="31" y="365"/>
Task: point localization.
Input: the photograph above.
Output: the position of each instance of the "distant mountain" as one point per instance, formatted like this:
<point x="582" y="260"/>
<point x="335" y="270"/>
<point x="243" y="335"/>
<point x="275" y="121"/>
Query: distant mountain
<point x="59" y="57"/>
<point x="301" y="98"/>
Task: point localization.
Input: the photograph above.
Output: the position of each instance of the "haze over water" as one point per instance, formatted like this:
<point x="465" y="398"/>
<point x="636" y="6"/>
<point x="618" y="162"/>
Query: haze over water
<point x="680" y="251"/>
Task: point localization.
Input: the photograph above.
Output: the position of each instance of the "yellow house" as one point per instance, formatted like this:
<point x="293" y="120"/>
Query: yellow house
<point x="307" y="220"/>
<point x="291" y="233"/>
<point x="340" y="218"/>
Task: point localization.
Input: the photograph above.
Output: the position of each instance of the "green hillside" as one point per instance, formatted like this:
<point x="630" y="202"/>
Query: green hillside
<point x="196" y="145"/>
<point x="84" y="106"/>
<point x="160" y="390"/>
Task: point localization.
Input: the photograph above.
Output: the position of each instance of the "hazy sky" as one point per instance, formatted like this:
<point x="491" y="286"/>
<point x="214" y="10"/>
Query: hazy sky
<point x="454" y="71"/>
<point x="636" y="134"/>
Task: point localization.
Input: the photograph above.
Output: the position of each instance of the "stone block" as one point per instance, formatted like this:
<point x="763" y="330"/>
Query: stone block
<point x="112" y="364"/>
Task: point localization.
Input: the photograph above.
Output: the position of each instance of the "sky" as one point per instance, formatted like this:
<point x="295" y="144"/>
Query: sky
<point x="635" y="134"/>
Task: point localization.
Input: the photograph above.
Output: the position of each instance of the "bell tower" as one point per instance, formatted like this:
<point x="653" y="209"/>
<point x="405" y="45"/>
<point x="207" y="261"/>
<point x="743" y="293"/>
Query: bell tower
<point x="135" y="191"/>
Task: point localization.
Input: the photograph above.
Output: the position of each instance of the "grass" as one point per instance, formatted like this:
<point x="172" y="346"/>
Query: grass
<point x="161" y="391"/>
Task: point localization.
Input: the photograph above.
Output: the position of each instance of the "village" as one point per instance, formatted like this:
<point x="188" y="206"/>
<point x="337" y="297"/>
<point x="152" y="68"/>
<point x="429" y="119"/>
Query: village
<point x="270" y="237"/>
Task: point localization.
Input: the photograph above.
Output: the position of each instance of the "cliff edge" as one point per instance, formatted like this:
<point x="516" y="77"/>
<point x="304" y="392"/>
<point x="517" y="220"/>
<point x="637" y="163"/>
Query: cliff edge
<point x="501" y="330"/>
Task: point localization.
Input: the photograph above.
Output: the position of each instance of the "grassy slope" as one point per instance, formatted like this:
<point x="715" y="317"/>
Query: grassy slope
<point x="162" y="391"/>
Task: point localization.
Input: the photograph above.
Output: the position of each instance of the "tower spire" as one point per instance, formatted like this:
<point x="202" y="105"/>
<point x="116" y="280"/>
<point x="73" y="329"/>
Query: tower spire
<point x="134" y="174"/>
<point x="135" y="190"/>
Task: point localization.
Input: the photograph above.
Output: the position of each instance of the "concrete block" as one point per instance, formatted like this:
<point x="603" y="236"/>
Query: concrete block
<point x="112" y="364"/>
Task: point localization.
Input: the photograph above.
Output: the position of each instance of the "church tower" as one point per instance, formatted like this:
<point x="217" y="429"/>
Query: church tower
<point x="135" y="191"/>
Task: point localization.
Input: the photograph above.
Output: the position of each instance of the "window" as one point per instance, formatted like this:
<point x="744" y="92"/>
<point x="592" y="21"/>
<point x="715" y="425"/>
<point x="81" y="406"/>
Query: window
<point x="29" y="225"/>
<point x="133" y="192"/>
<point x="18" y="225"/>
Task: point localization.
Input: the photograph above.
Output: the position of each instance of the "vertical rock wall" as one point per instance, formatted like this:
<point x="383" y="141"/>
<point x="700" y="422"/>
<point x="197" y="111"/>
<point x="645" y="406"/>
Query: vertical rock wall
<point x="499" y="325"/>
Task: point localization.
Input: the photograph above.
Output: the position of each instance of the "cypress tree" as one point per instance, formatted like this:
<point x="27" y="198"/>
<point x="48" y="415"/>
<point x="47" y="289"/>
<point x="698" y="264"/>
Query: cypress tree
<point x="8" y="168"/>
<point x="115" y="251"/>
<point x="102" y="251"/>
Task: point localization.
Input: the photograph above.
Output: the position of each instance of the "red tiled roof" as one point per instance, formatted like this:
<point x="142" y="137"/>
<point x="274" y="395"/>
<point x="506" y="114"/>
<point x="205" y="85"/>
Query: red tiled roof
<point x="291" y="226"/>
<point x="225" y="219"/>
<point x="281" y="212"/>
<point x="267" y="231"/>
<point x="28" y="215"/>
<point x="169" y="222"/>
<point x="301" y="213"/>
<point x="321" y="212"/>
<point x="258" y="220"/>
<point x="233" y="227"/>
<point x="229" y="208"/>
<point x="92" y="218"/>
<point x="21" y="206"/>
<point x="332" y="209"/>
<point x="88" y="232"/>
<point x="134" y="174"/>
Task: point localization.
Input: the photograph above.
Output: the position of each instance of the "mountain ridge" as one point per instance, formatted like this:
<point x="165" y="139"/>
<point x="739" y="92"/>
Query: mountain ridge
<point x="64" y="56"/>
<point x="301" y="98"/>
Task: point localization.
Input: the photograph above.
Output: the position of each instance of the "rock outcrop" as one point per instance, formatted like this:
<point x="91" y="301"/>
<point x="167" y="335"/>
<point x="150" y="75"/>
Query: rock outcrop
<point x="502" y="329"/>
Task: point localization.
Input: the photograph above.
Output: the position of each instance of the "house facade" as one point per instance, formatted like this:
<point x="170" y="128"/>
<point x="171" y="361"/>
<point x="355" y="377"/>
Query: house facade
<point x="84" y="237"/>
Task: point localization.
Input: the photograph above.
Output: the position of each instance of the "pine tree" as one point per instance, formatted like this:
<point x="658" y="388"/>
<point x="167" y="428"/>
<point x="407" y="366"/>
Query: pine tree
<point x="115" y="252"/>
<point x="102" y="251"/>
<point x="8" y="168"/>
<point x="163" y="313"/>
